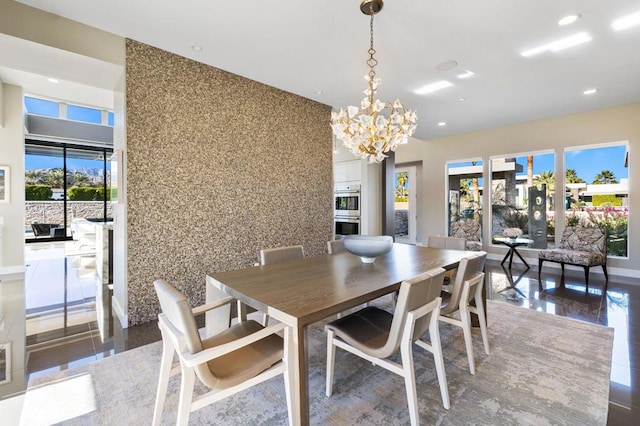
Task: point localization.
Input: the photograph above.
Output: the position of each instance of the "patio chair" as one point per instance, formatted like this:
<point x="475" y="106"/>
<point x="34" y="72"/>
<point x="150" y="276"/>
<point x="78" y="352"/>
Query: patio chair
<point x="580" y="246"/>
<point x="469" y="230"/>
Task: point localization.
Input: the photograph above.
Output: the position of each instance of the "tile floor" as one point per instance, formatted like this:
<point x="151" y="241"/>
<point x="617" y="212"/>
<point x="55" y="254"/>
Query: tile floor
<point x="618" y="308"/>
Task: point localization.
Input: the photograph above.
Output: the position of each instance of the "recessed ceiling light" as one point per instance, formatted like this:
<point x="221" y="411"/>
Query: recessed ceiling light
<point x="319" y="92"/>
<point x="569" y="19"/>
<point x="442" y="123"/>
<point x="590" y="91"/>
<point x="53" y="80"/>
<point x="462" y="99"/>
<point x="446" y="66"/>
<point x="626" y="21"/>
<point x="465" y="74"/>
<point x="196" y="48"/>
<point x="433" y="87"/>
<point x="558" y="45"/>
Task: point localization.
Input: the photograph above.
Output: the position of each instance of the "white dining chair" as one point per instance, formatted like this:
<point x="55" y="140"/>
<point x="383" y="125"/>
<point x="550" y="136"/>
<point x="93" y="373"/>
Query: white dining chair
<point x="375" y="335"/>
<point x="229" y="362"/>
<point x="467" y="288"/>
<point x="269" y="257"/>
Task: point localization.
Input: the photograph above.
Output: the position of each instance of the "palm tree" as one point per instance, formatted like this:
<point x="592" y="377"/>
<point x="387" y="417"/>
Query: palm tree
<point x="529" y="170"/>
<point x="548" y="178"/>
<point x="605" y="176"/>
<point x="571" y="176"/>
<point x="476" y="195"/>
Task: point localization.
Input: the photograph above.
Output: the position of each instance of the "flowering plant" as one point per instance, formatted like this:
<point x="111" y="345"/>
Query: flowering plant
<point x="512" y="232"/>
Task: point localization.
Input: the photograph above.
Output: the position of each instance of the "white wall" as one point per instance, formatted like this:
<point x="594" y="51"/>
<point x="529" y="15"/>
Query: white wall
<point x="12" y="155"/>
<point x="600" y="126"/>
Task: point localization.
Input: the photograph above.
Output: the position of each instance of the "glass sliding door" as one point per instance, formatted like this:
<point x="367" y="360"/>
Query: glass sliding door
<point x="87" y="195"/>
<point x="44" y="192"/>
<point x="64" y="182"/>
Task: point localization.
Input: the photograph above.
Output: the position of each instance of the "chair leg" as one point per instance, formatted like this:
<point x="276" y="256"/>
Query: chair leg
<point x="604" y="269"/>
<point x="163" y="381"/>
<point x="465" y="316"/>
<point x="434" y="336"/>
<point x="410" y="380"/>
<point x="482" y="317"/>
<point x="586" y="276"/>
<point x="331" y="357"/>
<point x="186" y="395"/>
<point x="562" y="269"/>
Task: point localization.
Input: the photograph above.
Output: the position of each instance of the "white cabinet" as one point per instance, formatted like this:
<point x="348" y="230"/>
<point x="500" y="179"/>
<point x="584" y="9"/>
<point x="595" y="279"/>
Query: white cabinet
<point x="347" y="171"/>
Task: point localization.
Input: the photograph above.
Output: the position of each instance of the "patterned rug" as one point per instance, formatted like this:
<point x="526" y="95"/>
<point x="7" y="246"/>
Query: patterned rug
<point x="542" y="370"/>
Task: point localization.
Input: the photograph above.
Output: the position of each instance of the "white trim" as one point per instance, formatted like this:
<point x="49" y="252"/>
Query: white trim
<point x="124" y="319"/>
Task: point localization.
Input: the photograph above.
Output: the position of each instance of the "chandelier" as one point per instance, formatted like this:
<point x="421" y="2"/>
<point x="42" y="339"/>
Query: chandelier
<point x="374" y="128"/>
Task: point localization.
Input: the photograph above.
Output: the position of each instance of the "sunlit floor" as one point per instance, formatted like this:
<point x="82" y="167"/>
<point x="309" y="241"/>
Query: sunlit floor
<point x="80" y="341"/>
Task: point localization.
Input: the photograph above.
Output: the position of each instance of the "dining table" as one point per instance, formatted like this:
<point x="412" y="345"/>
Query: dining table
<point x="301" y="292"/>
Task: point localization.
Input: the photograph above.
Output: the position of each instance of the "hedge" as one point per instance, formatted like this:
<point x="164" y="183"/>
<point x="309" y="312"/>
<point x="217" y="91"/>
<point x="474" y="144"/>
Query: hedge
<point x="610" y="199"/>
<point x="86" y="194"/>
<point x="37" y="192"/>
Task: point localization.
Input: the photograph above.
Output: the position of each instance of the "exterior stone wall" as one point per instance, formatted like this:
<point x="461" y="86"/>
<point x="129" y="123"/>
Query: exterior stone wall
<point x="53" y="211"/>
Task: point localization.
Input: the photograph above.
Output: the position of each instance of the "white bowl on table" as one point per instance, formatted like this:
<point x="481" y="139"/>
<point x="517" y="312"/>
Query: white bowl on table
<point x="368" y="247"/>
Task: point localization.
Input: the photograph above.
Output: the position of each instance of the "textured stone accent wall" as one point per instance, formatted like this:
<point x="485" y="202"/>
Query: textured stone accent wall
<point x="218" y="166"/>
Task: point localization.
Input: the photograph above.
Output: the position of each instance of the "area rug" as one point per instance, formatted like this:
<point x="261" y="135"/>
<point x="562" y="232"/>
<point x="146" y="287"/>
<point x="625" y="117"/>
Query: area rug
<point x="543" y="370"/>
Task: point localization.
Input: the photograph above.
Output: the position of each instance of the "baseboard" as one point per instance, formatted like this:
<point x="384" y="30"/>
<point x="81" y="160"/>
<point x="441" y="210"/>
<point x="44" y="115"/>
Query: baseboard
<point x="124" y="319"/>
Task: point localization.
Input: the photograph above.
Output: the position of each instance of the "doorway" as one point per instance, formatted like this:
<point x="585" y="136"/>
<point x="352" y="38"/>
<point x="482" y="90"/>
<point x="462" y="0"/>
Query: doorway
<point x="405" y="204"/>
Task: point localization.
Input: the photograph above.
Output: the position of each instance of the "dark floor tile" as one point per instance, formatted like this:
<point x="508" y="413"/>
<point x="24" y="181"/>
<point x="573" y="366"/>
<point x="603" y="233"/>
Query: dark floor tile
<point x="622" y="416"/>
<point x="61" y="354"/>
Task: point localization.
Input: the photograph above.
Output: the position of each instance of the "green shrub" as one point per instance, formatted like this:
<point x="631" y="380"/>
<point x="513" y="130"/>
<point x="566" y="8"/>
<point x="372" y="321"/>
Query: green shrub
<point x="86" y="194"/>
<point x="608" y="200"/>
<point x="37" y="192"/>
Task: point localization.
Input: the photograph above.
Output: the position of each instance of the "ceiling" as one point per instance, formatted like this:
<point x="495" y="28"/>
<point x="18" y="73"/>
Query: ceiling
<point x="318" y="50"/>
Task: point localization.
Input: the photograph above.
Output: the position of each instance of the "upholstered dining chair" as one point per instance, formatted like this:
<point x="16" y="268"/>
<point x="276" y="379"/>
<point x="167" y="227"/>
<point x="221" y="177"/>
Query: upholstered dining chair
<point x="335" y="246"/>
<point x="243" y="355"/>
<point x="270" y="257"/>
<point x="467" y="287"/>
<point x="451" y="243"/>
<point x="375" y="335"/>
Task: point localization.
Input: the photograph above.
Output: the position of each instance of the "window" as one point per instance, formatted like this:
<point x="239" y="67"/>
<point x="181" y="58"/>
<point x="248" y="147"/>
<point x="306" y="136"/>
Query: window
<point x="464" y="180"/>
<point x="523" y="196"/>
<point x="110" y="119"/>
<point x="88" y="115"/>
<point x="597" y="191"/>
<point x="41" y="107"/>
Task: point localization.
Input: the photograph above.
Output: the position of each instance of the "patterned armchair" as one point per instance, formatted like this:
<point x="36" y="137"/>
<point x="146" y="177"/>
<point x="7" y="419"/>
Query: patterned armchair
<point x="470" y="231"/>
<point x="579" y="246"/>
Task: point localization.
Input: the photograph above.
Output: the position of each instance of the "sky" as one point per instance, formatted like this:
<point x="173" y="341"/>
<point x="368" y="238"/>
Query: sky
<point x="587" y="162"/>
<point x="35" y="162"/>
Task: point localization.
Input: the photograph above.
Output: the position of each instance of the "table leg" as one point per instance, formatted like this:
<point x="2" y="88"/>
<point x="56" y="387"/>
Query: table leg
<point x="505" y="257"/>
<point x="511" y="250"/>
<point x="522" y="258"/>
<point x="300" y="391"/>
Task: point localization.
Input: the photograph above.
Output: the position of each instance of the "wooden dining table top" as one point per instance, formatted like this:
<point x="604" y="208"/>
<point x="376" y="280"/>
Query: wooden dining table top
<point x="301" y="292"/>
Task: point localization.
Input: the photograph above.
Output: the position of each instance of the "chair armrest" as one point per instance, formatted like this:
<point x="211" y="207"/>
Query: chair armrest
<point x="192" y="360"/>
<point x="212" y="305"/>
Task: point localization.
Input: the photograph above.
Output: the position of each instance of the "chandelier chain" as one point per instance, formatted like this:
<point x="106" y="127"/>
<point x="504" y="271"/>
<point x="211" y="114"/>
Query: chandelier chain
<point x="371" y="62"/>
